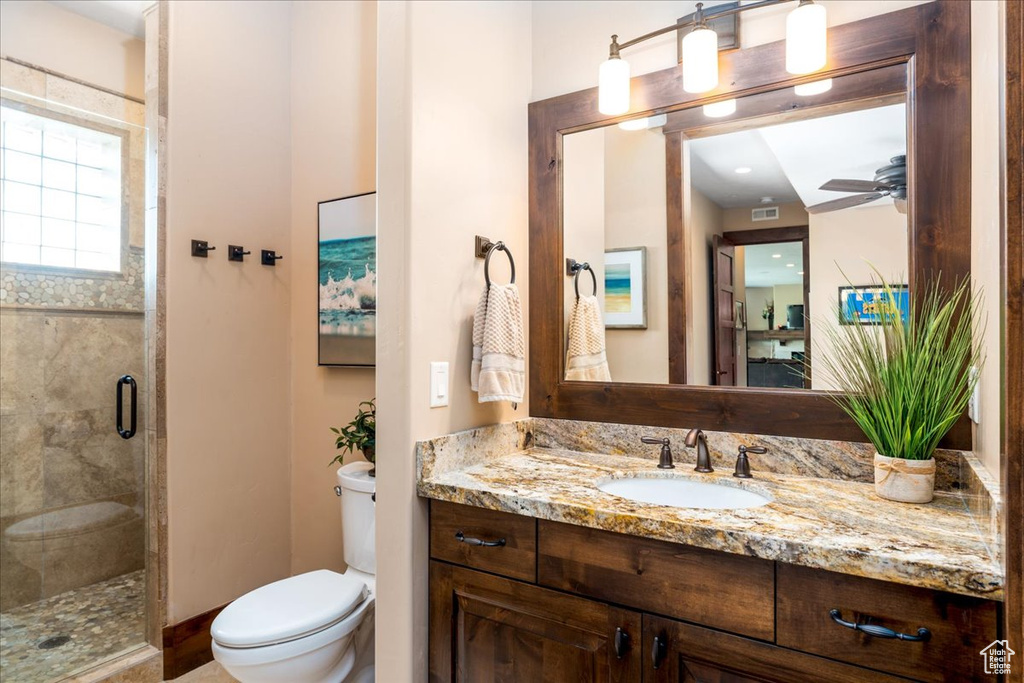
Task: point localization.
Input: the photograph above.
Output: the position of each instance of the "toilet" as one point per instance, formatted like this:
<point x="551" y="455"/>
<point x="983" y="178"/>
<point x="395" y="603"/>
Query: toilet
<point x="315" y="627"/>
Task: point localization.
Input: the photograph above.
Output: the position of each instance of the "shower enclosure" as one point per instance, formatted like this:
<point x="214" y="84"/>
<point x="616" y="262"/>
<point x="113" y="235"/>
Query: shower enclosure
<point x="72" y="340"/>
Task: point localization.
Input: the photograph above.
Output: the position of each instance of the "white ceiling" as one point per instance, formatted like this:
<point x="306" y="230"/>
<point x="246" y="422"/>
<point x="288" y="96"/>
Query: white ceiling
<point x="761" y="269"/>
<point x="123" y="15"/>
<point x="791" y="161"/>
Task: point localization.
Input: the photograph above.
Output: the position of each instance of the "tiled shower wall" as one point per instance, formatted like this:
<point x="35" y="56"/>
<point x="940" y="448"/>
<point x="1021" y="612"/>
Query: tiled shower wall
<point x="66" y="338"/>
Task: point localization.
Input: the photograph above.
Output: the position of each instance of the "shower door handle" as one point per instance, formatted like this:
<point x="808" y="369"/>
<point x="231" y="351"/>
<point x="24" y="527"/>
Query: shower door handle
<point x="129" y="380"/>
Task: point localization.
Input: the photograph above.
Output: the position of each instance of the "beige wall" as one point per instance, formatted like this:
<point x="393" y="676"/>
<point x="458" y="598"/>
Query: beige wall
<point x="634" y="200"/>
<point x="453" y="164"/>
<point x="704" y="220"/>
<point x="228" y="394"/>
<point x="333" y="128"/>
<point x="54" y="38"/>
<point x="845" y="248"/>
<point x="986" y="111"/>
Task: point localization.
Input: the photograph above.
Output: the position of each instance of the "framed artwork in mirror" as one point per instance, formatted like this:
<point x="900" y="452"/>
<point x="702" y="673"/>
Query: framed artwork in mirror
<point x="347" y="268"/>
<point x="869" y="304"/>
<point x="625" y="288"/>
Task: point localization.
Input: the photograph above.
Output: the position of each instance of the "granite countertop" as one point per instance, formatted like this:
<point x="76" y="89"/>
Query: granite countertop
<point x="831" y="524"/>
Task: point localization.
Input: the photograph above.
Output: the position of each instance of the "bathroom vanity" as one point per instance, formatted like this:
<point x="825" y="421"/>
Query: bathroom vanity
<point x="537" y="574"/>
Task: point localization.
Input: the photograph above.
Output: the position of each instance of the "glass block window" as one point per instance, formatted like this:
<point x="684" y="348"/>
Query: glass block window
<point x="60" y="193"/>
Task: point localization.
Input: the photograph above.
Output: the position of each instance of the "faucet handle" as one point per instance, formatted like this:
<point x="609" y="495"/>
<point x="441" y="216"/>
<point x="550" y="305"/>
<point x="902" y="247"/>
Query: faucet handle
<point x="743" y="463"/>
<point x="753" y="449"/>
<point x="665" y="461"/>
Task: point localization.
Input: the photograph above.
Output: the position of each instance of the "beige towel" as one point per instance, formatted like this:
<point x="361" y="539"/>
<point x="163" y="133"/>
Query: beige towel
<point x="585" y="356"/>
<point x="498" y="372"/>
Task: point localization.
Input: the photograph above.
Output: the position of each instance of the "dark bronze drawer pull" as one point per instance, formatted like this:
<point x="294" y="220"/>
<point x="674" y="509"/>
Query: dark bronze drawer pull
<point x="923" y="634"/>
<point x="621" y="642"/>
<point x="657" y="651"/>
<point x="468" y="540"/>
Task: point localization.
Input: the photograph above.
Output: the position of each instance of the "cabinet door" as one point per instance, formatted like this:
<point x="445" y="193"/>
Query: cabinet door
<point x="488" y="628"/>
<point x="683" y="653"/>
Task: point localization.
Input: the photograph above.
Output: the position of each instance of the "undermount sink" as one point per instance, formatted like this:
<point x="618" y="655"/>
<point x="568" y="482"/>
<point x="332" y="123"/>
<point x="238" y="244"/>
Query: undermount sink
<point x="683" y="493"/>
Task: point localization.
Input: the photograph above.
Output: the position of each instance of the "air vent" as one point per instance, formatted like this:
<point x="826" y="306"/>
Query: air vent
<point x="767" y="213"/>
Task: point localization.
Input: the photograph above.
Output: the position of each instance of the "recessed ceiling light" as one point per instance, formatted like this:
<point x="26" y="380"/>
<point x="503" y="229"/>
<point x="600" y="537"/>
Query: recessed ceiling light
<point x="718" y="109"/>
<point x="776" y="255"/>
<point x="743" y="169"/>
<point x="813" y="88"/>
<point x="799" y="272"/>
<point x="790" y="265"/>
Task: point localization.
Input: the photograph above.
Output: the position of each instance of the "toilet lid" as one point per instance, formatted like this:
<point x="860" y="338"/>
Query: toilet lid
<point x="288" y="609"/>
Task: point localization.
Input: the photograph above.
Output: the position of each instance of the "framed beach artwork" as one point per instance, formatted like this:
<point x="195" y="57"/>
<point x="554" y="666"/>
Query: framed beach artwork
<point x="869" y="304"/>
<point x="625" y="288"/>
<point x="348" y="280"/>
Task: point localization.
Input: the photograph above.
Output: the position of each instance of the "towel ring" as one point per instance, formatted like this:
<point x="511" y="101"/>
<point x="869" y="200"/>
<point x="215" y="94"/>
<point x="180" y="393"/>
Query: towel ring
<point x="498" y="246"/>
<point x="579" y="268"/>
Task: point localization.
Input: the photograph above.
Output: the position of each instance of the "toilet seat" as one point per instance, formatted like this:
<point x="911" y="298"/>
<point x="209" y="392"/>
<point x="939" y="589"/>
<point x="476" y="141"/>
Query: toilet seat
<point x="290" y="609"/>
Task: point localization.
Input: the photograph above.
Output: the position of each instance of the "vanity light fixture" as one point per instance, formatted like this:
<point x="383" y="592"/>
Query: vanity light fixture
<point x="719" y="109"/>
<point x="644" y="123"/>
<point x="743" y="170"/>
<point x="813" y="88"/>
<point x="806" y="50"/>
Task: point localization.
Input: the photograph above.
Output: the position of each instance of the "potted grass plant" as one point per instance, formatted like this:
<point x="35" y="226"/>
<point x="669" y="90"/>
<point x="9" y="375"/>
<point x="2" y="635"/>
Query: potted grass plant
<point x="358" y="435"/>
<point x="906" y="380"/>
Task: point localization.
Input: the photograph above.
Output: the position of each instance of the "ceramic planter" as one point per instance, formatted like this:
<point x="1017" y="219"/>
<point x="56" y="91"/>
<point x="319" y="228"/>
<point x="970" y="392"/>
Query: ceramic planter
<point x="370" y="453"/>
<point x="905" y="481"/>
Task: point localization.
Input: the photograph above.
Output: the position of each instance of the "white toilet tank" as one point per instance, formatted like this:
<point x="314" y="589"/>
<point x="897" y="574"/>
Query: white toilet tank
<point x="358" y="516"/>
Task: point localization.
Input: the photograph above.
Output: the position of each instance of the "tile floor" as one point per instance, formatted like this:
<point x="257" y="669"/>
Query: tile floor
<point x="102" y="620"/>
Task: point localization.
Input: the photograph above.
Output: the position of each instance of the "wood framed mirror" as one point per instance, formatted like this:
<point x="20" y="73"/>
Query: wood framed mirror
<point x="917" y="58"/>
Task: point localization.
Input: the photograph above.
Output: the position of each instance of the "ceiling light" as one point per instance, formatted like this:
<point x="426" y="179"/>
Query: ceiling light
<point x="613" y="84"/>
<point x="799" y="272"/>
<point x="743" y="169"/>
<point x="700" y="59"/>
<point x="813" y="88"/>
<point x="776" y="255"/>
<point x="790" y="265"/>
<point x="806" y="41"/>
<point x="718" y="109"/>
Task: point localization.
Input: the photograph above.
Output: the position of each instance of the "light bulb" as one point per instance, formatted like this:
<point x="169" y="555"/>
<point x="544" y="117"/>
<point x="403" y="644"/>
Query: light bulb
<point x="813" y="88"/>
<point x="613" y="87"/>
<point x="700" y="60"/>
<point x="718" y="109"/>
<point x="806" y="38"/>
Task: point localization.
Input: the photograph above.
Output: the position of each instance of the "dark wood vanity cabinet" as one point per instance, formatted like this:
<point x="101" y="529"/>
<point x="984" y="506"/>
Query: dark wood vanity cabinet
<point x="520" y="599"/>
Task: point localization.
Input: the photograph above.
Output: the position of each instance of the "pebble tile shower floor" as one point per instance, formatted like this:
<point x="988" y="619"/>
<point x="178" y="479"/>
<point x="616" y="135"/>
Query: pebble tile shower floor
<point x="102" y="620"/>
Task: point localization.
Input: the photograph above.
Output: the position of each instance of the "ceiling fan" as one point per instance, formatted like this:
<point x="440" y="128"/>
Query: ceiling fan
<point x="890" y="181"/>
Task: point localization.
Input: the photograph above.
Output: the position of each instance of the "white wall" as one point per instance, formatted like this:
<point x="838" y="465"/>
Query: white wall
<point x="54" y="38"/>
<point x="333" y="126"/>
<point x="452" y="157"/>
<point x="228" y="395"/>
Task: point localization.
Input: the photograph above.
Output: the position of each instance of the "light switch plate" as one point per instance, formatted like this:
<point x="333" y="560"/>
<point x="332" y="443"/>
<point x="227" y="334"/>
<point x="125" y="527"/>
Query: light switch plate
<point x="438" y="384"/>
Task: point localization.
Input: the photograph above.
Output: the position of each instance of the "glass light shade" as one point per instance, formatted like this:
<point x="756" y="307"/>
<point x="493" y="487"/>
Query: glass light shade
<point x="719" y="109"/>
<point x="813" y="88"/>
<point x="806" y="39"/>
<point x="700" y="60"/>
<point x="634" y="124"/>
<point x="613" y="87"/>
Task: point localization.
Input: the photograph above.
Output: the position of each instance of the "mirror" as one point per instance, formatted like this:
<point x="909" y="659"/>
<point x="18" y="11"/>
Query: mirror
<point x="780" y="209"/>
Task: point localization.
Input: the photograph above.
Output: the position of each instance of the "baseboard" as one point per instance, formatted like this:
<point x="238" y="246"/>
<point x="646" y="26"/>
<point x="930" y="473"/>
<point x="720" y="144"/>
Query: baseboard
<point x="187" y="645"/>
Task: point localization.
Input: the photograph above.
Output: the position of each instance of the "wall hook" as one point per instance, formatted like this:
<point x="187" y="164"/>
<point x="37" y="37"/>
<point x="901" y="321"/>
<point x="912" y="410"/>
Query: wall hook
<point x="200" y="248"/>
<point x="237" y="253"/>
<point x="269" y="257"/>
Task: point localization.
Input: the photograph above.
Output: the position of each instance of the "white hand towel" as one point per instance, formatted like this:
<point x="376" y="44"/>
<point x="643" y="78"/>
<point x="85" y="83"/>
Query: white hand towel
<point x="585" y="357"/>
<point x="502" y="374"/>
<point x="479" y="320"/>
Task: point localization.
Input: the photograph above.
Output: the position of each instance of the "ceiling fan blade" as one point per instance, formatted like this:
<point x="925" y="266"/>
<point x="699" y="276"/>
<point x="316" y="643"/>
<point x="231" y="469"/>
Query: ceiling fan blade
<point x="845" y="202"/>
<point x="844" y="185"/>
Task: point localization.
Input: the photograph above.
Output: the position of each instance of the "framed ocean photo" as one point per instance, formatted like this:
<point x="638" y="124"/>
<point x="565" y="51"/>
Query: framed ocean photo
<point x="347" y="230"/>
<point x="625" y="288"/>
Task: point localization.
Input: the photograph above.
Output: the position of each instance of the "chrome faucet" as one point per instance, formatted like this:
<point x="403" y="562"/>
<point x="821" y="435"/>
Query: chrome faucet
<point x="695" y="437"/>
<point x="665" y="462"/>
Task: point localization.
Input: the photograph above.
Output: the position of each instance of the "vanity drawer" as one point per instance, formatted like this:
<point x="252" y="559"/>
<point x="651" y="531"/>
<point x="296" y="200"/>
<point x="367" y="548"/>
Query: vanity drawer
<point x="455" y="530"/>
<point x="960" y="626"/>
<point x="729" y="592"/>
